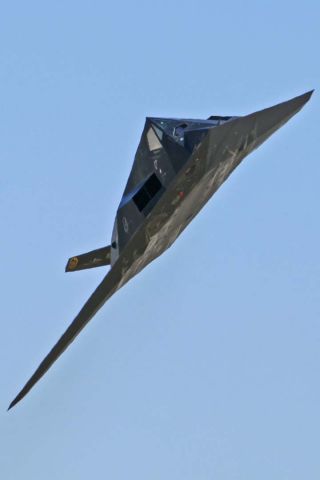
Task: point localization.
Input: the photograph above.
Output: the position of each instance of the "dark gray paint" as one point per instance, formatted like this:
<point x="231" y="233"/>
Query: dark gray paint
<point x="191" y="167"/>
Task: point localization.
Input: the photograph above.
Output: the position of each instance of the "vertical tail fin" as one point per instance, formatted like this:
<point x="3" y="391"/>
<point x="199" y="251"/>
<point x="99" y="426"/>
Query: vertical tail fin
<point x="95" y="258"/>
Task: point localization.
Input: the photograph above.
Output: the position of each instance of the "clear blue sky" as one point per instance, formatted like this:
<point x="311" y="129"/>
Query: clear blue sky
<point x="205" y="366"/>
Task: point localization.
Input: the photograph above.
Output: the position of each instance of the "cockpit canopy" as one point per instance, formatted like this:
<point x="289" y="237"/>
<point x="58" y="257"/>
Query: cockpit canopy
<point x="164" y="148"/>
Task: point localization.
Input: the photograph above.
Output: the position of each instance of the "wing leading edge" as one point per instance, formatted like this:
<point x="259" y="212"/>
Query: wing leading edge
<point x="109" y="285"/>
<point x="260" y="125"/>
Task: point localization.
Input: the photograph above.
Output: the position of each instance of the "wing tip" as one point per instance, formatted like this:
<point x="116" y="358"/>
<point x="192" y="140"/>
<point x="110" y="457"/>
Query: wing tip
<point x="19" y="397"/>
<point x="13" y="403"/>
<point x="306" y="96"/>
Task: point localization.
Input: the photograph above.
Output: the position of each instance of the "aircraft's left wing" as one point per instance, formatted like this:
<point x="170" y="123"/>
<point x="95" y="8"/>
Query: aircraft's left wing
<point x="105" y="290"/>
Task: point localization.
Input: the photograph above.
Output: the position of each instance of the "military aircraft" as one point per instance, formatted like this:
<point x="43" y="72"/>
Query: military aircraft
<point x="178" y="166"/>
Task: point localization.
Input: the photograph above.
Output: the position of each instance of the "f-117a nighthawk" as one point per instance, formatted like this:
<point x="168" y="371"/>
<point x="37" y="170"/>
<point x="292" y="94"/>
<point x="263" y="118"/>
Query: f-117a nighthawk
<point x="179" y="165"/>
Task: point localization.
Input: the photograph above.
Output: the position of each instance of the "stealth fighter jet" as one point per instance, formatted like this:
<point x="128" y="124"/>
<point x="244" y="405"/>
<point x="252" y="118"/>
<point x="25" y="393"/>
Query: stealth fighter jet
<point x="178" y="166"/>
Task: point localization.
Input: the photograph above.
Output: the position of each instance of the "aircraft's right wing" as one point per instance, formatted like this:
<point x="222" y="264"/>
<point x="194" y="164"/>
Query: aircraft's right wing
<point x="109" y="285"/>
